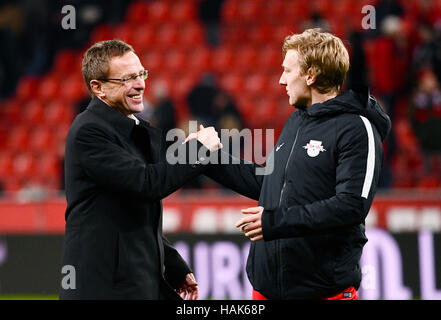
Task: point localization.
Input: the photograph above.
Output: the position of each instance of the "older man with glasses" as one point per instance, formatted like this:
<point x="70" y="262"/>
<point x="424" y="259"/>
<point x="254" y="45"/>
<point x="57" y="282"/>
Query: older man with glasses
<point x="116" y="176"/>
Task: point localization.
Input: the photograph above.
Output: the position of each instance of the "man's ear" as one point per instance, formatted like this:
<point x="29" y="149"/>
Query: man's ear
<point x="311" y="77"/>
<point x="97" y="89"/>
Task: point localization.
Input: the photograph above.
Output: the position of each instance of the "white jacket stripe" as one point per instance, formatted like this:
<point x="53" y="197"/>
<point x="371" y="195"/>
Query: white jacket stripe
<point x="370" y="164"/>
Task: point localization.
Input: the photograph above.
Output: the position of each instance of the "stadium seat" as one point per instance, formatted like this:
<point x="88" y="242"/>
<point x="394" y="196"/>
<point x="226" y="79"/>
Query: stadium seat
<point x="153" y="60"/>
<point x="198" y="59"/>
<point x="250" y="11"/>
<point x="41" y="140"/>
<point x="100" y="33"/>
<point x="230" y="12"/>
<point x="33" y="112"/>
<point x="74" y="90"/>
<point x="183" y="11"/>
<point x="222" y="59"/>
<point x="18" y="138"/>
<point x="176" y="61"/>
<point x="191" y="34"/>
<point x="143" y="38"/>
<point x="245" y="59"/>
<point x="159" y="12"/>
<point x="64" y="60"/>
<point x="57" y="112"/>
<point x="23" y="165"/>
<point x="49" y="88"/>
<point x="167" y="36"/>
<point x="26" y="88"/>
<point x="255" y="84"/>
<point x="232" y="83"/>
<point x="6" y="160"/>
<point x="124" y="32"/>
<point x="137" y="13"/>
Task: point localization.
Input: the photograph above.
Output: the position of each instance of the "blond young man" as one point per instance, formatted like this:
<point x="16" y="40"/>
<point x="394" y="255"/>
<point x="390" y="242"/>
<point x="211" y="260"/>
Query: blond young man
<point x="307" y="231"/>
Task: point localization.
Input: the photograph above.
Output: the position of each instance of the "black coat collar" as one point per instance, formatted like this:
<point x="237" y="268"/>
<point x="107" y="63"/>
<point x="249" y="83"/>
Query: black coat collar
<point x="120" y="122"/>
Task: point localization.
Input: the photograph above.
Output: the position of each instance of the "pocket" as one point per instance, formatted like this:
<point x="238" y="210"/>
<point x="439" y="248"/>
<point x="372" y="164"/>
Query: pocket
<point x="121" y="273"/>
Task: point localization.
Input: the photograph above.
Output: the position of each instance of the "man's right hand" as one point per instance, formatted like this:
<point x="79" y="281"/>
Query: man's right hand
<point x="207" y="136"/>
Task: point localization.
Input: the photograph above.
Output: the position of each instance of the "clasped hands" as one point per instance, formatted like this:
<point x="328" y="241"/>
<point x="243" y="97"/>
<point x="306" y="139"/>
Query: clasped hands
<point x="207" y="136"/>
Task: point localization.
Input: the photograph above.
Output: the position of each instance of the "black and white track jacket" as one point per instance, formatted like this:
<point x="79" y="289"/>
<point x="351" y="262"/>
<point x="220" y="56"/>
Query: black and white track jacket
<point x="326" y="162"/>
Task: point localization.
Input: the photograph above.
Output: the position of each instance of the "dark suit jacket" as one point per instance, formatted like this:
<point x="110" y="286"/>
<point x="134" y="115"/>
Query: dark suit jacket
<point x="115" y="180"/>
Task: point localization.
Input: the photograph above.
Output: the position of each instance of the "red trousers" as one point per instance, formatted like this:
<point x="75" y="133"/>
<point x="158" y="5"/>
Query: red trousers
<point x="348" y="294"/>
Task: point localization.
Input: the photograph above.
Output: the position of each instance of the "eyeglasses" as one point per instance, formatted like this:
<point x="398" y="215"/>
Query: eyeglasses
<point x="144" y="74"/>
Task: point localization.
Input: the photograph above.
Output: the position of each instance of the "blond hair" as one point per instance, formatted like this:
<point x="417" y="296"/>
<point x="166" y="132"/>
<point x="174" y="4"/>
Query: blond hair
<point x="95" y="64"/>
<point x="322" y="53"/>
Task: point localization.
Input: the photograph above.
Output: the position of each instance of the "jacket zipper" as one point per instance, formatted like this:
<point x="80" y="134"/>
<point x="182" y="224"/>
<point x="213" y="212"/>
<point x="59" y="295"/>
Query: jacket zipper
<point x="286" y="165"/>
<point x="278" y="258"/>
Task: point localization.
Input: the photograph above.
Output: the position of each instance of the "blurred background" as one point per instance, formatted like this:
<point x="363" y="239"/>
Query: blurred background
<point x="218" y="62"/>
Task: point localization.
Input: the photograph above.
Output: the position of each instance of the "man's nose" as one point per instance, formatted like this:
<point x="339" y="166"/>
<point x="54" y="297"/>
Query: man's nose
<point x="282" y="80"/>
<point x="139" y="83"/>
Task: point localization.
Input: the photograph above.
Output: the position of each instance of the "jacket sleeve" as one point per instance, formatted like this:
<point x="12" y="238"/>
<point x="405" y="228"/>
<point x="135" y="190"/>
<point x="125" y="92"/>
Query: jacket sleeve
<point x="236" y="174"/>
<point x="359" y="161"/>
<point x="114" y="168"/>
<point x="175" y="267"/>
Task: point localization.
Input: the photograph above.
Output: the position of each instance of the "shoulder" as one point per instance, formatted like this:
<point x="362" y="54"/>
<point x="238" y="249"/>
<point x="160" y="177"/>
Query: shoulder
<point x="88" y="124"/>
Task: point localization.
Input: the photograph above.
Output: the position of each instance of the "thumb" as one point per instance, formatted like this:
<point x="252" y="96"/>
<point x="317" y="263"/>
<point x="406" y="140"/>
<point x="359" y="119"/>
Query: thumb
<point x="201" y="127"/>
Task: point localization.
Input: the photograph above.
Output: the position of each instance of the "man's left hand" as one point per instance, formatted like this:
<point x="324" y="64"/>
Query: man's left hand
<point x="252" y="224"/>
<point x="188" y="288"/>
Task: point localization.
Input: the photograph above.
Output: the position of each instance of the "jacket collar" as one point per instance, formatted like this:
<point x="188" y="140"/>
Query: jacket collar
<point x="117" y="120"/>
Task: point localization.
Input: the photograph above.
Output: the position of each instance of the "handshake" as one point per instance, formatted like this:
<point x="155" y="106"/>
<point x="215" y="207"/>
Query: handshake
<point x="207" y="136"/>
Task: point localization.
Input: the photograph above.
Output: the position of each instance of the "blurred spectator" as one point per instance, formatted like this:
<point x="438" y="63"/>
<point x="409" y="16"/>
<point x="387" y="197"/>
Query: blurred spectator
<point x="31" y="191"/>
<point x="387" y="8"/>
<point x="161" y="113"/>
<point x="426" y="120"/>
<point x="200" y="100"/>
<point x="357" y="74"/>
<point x="209" y="13"/>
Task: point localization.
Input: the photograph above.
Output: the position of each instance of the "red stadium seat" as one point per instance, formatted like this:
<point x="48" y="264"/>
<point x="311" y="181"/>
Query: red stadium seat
<point x="255" y="84"/>
<point x="64" y="61"/>
<point x="57" y="112"/>
<point x="222" y="59"/>
<point x="49" y="88"/>
<point x="137" y="13"/>
<point x="159" y="12"/>
<point x="250" y="11"/>
<point x="74" y="91"/>
<point x="26" y="88"/>
<point x="232" y="83"/>
<point x="270" y="59"/>
<point x="48" y="165"/>
<point x="183" y="11"/>
<point x="143" y="38"/>
<point x="199" y="59"/>
<point x="41" y="140"/>
<point x="100" y="33"/>
<point x="176" y="61"/>
<point x="18" y="138"/>
<point x="153" y="60"/>
<point x="124" y="32"/>
<point x="191" y="34"/>
<point x="6" y="160"/>
<point x="230" y="12"/>
<point x="23" y="165"/>
<point x="245" y="59"/>
<point x="33" y="112"/>
<point x="167" y="36"/>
